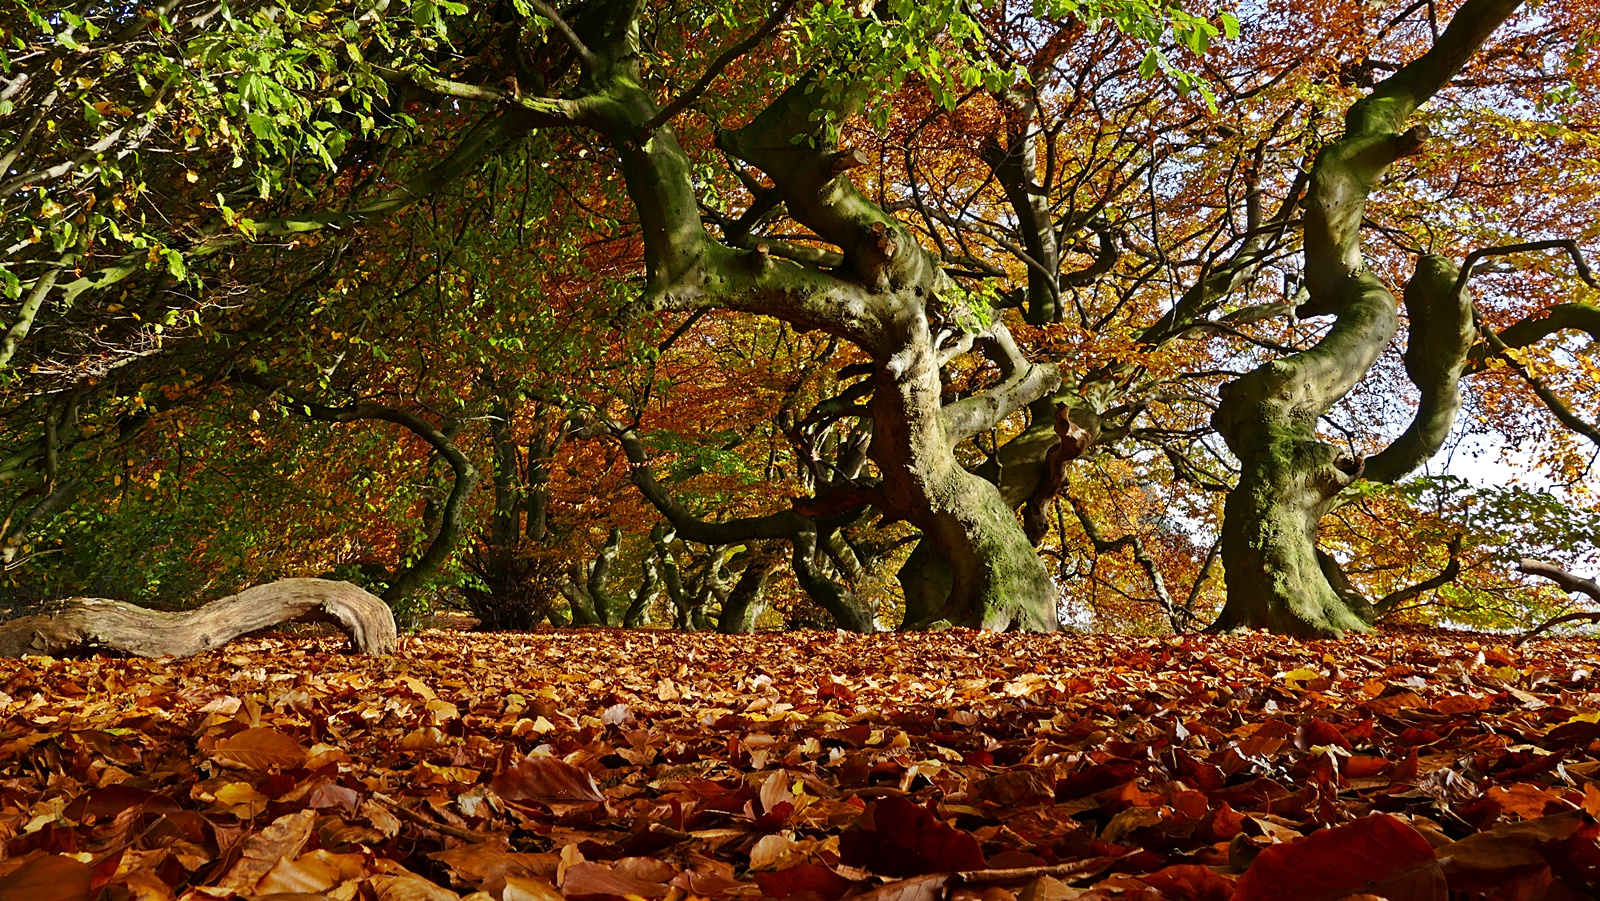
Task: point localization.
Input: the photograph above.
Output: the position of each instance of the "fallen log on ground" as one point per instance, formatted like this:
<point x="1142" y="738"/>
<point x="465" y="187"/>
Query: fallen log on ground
<point x="80" y="625"/>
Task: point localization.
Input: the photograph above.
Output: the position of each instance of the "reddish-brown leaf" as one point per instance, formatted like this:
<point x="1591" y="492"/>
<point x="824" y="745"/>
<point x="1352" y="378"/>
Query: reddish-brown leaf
<point x="1489" y="859"/>
<point x="49" y="877"/>
<point x="114" y="799"/>
<point x="812" y="879"/>
<point x="283" y="838"/>
<point x="1359" y="767"/>
<point x="489" y="869"/>
<point x="1189" y="882"/>
<point x="1454" y="705"/>
<point x="546" y="779"/>
<point x="1376" y="854"/>
<point x="593" y="880"/>
<point x="898" y="838"/>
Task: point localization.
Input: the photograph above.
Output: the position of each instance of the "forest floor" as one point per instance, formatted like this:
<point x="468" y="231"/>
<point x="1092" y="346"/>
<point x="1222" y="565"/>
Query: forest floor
<point x="653" y="765"/>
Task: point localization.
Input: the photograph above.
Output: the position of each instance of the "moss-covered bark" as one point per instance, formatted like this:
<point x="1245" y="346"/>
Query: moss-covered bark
<point x="1268" y="417"/>
<point x="882" y="295"/>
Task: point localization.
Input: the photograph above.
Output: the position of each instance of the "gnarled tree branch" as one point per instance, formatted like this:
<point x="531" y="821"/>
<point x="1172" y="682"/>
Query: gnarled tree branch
<point x="96" y="624"/>
<point x="1569" y="582"/>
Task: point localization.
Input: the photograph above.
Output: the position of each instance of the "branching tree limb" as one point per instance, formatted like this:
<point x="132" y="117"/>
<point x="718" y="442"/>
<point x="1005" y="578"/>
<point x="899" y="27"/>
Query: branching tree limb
<point x="1391" y="602"/>
<point x="1558" y="407"/>
<point x="1180" y="618"/>
<point x="453" y="517"/>
<point x="724" y="59"/>
<point x="1568" y="582"/>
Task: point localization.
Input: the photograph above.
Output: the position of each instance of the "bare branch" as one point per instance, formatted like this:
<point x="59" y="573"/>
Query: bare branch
<point x="1558" y="407"/>
<point x="1022" y="383"/>
<point x="585" y="55"/>
<point x="1568" y="582"/>
<point x="1388" y="603"/>
<point x="1179" y="618"/>
<point x="1567" y="244"/>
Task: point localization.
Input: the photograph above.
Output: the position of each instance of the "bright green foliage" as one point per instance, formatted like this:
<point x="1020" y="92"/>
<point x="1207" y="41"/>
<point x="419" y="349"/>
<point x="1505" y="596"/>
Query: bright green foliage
<point x="141" y="138"/>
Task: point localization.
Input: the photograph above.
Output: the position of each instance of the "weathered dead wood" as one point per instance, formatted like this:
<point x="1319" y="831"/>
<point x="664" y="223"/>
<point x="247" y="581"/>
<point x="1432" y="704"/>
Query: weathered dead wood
<point x="96" y="624"/>
<point x="1568" y="582"/>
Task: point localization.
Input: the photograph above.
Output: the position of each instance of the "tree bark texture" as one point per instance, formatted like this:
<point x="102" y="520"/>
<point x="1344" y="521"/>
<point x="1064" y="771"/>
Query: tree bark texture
<point x="83" y="625"/>
<point x="1442" y="335"/>
<point x="744" y="602"/>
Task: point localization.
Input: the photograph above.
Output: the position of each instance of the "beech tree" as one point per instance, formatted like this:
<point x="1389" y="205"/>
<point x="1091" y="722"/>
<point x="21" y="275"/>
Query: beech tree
<point x="956" y="197"/>
<point x="1265" y="213"/>
<point x="529" y="67"/>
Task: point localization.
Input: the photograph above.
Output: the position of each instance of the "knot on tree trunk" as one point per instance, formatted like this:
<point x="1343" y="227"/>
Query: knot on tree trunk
<point x="1349" y="465"/>
<point x="1412" y="142"/>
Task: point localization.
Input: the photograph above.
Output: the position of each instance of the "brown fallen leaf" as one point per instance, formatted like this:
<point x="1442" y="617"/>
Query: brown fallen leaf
<point x="1048" y="888"/>
<point x="1528" y="801"/>
<point x="929" y="887"/>
<point x="1510" y="846"/>
<point x="409" y="888"/>
<point x="306" y="874"/>
<point x="543" y="778"/>
<point x="593" y="879"/>
<point x="48" y="877"/>
<point x="258" y="749"/>
<point x="1377" y="851"/>
<point x="283" y="838"/>
<point x="529" y="888"/>
<point x="491" y="869"/>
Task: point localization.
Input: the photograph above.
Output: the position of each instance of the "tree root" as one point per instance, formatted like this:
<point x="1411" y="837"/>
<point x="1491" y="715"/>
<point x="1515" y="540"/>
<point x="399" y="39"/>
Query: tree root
<point x="80" y="625"/>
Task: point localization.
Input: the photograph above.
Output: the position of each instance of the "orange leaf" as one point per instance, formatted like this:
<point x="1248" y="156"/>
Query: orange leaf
<point x="259" y="748"/>
<point x="546" y="779"/>
<point x="48" y="878"/>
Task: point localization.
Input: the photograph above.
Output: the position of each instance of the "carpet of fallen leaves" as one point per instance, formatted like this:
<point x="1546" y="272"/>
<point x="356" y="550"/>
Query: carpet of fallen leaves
<point x="651" y="765"/>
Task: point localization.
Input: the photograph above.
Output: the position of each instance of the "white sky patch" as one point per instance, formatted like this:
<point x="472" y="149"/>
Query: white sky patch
<point x="1487" y="461"/>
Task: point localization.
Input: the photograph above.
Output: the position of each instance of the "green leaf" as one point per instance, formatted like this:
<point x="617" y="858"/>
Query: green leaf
<point x="1151" y="64"/>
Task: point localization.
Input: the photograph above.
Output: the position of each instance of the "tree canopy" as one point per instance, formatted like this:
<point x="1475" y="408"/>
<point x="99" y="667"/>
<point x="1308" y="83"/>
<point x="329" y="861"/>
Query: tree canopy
<point x="726" y="314"/>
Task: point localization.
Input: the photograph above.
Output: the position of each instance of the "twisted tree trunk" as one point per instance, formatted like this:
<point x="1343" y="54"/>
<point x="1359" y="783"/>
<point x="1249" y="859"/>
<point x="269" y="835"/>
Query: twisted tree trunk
<point x="1288" y="477"/>
<point x="744" y="602"/>
<point x="82" y="625"/>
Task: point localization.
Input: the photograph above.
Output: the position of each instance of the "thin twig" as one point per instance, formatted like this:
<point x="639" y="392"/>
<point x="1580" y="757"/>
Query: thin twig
<point x="466" y="835"/>
<point x="723" y="60"/>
